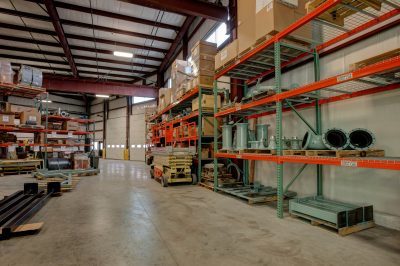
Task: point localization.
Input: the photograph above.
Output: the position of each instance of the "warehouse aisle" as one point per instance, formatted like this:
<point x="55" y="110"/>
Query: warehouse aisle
<point x="122" y="217"/>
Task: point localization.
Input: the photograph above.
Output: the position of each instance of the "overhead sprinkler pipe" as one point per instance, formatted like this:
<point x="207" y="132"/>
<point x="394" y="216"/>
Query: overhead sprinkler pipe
<point x="312" y="141"/>
<point x="336" y="139"/>
<point x="361" y="139"/>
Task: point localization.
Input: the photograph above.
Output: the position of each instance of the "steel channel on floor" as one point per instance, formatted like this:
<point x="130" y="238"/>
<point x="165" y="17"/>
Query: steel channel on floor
<point x="22" y="205"/>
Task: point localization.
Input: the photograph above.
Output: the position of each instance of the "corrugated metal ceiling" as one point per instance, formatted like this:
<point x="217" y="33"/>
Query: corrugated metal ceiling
<point x="116" y="7"/>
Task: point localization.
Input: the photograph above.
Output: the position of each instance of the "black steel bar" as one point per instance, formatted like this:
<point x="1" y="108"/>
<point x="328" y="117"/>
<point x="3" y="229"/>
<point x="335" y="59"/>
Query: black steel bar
<point x="8" y="198"/>
<point x="5" y="207"/>
<point x="25" y="214"/>
<point x="13" y="211"/>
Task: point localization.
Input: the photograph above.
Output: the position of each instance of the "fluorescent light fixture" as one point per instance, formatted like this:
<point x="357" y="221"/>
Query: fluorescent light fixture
<point x="46" y="101"/>
<point x="102" y="96"/>
<point x="123" y="54"/>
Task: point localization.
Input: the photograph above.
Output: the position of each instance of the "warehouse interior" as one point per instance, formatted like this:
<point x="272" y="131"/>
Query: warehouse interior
<point x="220" y="132"/>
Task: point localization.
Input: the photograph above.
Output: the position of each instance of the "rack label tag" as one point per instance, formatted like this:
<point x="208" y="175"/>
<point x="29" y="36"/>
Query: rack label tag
<point x="63" y="148"/>
<point x="344" y="77"/>
<point x="347" y="163"/>
<point x="69" y="134"/>
<point x="36" y="148"/>
<point x="54" y="134"/>
<point x="239" y="156"/>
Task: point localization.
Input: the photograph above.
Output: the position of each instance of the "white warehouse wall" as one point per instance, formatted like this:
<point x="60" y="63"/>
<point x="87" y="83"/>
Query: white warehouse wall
<point x="138" y="131"/>
<point x="378" y="113"/>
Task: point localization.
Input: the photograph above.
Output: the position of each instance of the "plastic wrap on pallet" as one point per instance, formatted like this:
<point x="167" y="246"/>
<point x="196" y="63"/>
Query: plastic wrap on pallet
<point x="25" y="75"/>
<point x="37" y="77"/>
<point x="181" y="72"/>
<point x="6" y="73"/>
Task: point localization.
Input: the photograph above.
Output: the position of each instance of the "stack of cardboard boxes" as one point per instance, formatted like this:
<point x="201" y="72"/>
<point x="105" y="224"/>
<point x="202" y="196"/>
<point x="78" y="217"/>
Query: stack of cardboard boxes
<point x="259" y="20"/>
<point x="181" y="75"/>
<point x="164" y="98"/>
<point x="203" y="64"/>
<point x="13" y="115"/>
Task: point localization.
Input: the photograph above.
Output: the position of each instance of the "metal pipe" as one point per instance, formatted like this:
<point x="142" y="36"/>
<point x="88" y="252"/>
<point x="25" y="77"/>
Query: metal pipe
<point x="312" y="141"/>
<point x="361" y="139"/>
<point x="241" y="133"/>
<point x="227" y="137"/>
<point x="335" y="139"/>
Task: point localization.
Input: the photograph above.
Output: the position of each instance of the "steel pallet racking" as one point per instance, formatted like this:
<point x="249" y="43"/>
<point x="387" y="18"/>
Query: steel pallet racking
<point x="195" y="116"/>
<point x="40" y="96"/>
<point x="286" y="50"/>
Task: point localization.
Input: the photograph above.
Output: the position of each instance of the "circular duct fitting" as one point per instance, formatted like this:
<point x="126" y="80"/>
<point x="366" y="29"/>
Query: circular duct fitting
<point x="312" y="142"/>
<point x="335" y="139"/>
<point x="361" y="139"/>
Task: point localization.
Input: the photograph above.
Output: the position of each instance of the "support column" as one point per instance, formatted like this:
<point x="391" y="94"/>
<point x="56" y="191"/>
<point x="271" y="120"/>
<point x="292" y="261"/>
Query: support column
<point x="278" y="130"/>
<point x="160" y="79"/>
<point x="128" y="126"/>
<point x="318" y="125"/>
<point x="185" y="49"/>
<point x="199" y="134"/>
<point x="215" y="136"/>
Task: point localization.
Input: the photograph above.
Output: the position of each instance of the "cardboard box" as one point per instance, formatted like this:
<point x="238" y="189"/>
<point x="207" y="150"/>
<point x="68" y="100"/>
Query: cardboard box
<point x="203" y="65"/>
<point x="207" y="101"/>
<point x="71" y="125"/>
<point x="203" y="81"/>
<point x="246" y="24"/>
<point x="269" y="18"/>
<point x="205" y="153"/>
<point x="227" y="54"/>
<point x="7" y="120"/>
<point x="164" y="98"/>
<point x="31" y="117"/>
<point x="203" y="47"/>
<point x="208" y="126"/>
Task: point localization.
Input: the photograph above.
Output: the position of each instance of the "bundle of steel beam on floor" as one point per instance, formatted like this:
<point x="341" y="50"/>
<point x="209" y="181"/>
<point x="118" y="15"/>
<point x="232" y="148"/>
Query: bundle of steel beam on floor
<point x="335" y="214"/>
<point x="17" y="208"/>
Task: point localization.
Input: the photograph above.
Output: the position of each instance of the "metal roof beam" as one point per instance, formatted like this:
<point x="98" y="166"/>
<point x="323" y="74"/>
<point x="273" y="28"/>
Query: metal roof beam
<point x="63" y="63"/>
<point x="178" y="39"/>
<point x="82" y="38"/>
<point x="65" y="84"/>
<point x="74" y="47"/>
<point x="186" y="7"/>
<point x="85" y="25"/>
<point x="26" y="50"/>
<point x="61" y="36"/>
<point x="110" y="15"/>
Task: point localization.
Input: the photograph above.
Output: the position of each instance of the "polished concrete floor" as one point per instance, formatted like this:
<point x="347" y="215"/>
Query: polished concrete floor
<point x="122" y="217"/>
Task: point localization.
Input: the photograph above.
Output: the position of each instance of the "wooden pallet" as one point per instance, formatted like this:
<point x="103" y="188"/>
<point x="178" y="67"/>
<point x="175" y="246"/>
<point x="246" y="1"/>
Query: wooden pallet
<point x="245" y="193"/>
<point x="341" y="231"/>
<point x="294" y="152"/>
<point x="25" y="229"/>
<point x="260" y="151"/>
<point x="64" y="188"/>
<point x="207" y="185"/>
<point x="340" y="153"/>
<point x="31" y="126"/>
<point x="355" y="153"/>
